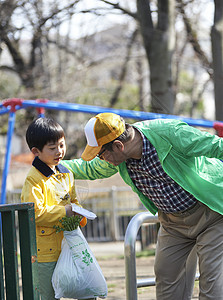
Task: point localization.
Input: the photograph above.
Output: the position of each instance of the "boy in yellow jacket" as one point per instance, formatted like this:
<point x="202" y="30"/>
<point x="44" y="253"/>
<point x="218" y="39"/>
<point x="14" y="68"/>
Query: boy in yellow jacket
<point x="51" y="187"/>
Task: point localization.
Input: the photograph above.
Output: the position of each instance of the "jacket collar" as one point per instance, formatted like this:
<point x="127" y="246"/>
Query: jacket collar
<point x="161" y="145"/>
<point x="46" y="170"/>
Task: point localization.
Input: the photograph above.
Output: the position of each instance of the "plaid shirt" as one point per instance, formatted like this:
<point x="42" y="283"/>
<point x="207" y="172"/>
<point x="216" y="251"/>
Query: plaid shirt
<point x="149" y="177"/>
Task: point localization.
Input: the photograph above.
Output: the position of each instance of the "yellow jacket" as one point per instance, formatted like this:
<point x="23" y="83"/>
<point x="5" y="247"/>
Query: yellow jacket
<point x="50" y="192"/>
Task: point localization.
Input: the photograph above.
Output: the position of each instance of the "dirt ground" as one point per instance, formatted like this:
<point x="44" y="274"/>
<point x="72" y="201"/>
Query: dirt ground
<point x="114" y="272"/>
<point x="110" y="257"/>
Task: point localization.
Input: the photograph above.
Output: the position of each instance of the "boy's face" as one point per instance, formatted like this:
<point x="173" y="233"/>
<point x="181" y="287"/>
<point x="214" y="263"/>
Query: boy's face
<point x="52" y="153"/>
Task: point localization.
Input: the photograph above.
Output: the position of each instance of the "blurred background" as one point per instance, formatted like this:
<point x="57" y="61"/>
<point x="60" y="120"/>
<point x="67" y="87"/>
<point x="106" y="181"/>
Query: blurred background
<point x="162" y="56"/>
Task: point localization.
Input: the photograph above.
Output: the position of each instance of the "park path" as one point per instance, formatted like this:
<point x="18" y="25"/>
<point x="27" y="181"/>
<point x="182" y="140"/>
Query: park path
<point x="110" y="257"/>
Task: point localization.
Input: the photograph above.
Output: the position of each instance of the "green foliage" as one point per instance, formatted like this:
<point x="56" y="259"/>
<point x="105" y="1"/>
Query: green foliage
<point x="186" y="82"/>
<point x="4" y="124"/>
<point x="145" y="253"/>
<point x="128" y="98"/>
<point x="200" y="105"/>
<point x="9" y="85"/>
<point x="68" y="223"/>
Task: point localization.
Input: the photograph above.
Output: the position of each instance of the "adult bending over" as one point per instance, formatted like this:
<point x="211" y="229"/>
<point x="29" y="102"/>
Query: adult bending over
<point x="176" y="171"/>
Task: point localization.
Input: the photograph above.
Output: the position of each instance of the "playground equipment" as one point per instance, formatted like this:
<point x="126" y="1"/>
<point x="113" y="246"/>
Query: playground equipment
<point x="10" y="106"/>
<point x="132" y="283"/>
<point x="130" y="258"/>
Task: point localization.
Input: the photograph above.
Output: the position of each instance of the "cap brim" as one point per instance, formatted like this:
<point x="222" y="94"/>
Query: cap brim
<point x="90" y="152"/>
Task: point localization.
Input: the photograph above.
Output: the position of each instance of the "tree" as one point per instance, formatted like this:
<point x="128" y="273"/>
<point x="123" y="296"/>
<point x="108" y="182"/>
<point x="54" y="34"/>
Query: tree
<point x="217" y="54"/>
<point x="36" y="21"/>
<point x="159" y="42"/>
<point x="158" y="38"/>
<point x="157" y="31"/>
<point x="152" y="25"/>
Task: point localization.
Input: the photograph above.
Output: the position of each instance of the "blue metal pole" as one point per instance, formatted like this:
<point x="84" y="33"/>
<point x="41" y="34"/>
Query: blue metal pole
<point x="41" y="115"/>
<point x="11" y="123"/>
<point x="138" y="115"/>
<point x="4" y="110"/>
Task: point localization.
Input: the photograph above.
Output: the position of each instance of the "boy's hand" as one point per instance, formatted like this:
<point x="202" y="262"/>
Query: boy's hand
<point x="69" y="211"/>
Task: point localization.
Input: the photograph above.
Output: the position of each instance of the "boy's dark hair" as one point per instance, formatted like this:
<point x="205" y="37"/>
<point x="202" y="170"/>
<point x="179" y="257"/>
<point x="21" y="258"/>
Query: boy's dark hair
<point x="42" y="131"/>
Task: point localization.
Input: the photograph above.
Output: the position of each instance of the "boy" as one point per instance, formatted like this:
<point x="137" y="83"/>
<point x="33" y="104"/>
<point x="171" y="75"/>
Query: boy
<point x="51" y="187"/>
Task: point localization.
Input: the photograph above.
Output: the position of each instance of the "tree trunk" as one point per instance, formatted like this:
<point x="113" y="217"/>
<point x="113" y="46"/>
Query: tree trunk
<point x="217" y="53"/>
<point x="159" y="43"/>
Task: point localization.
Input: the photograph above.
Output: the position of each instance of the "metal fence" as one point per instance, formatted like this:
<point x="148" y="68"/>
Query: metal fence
<point x="18" y="255"/>
<point x="114" y="207"/>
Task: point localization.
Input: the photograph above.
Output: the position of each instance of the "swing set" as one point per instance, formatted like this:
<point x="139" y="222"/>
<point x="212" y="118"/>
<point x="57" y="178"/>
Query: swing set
<point x="11" y="106"/>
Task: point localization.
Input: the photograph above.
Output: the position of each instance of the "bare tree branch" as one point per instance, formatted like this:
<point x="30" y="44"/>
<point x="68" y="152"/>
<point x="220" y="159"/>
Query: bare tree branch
<point x="192" y="38"/>
<point x="7" y="68"/>
<point x="116" y="94"/>
<point x="120" y="8"/>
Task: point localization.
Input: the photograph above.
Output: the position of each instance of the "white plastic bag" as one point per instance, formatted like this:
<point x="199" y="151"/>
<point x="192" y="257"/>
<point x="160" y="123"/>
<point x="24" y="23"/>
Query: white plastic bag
<point x="77" y="273"/>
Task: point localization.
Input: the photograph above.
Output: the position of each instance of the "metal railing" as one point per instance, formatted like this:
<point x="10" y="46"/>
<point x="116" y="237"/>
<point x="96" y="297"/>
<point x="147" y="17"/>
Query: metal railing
<point x="9" y="266"/>
<point x="132" y="283"/>
<point x="114" y="206"/>
<point x="130" y="258"/>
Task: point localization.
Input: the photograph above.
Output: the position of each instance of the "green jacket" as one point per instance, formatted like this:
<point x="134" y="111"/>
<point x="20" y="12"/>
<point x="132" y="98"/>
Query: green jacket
<point x="191" y="157"/>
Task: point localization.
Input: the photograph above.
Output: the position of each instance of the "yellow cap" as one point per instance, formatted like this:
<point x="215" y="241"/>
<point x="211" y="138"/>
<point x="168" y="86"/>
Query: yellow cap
<point x="100" y="130"/>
